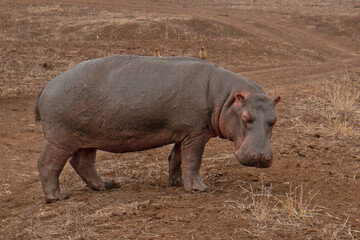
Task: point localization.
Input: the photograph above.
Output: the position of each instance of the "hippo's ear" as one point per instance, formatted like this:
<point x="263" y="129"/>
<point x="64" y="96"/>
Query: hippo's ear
<point x="239" y="98"/>
<point x="277" y="100"/>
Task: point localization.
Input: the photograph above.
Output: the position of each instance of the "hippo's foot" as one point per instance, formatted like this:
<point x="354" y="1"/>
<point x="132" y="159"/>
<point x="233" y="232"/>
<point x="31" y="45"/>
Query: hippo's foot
<point x="108" y="184"/>
<point x="194" y="183"/>
<point x="57" y="197"/>
<point x="176" y="180"/>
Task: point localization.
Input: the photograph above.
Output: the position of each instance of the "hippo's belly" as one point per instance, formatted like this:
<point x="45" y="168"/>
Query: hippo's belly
<point x="124" y="135"/>
<point x="133" y="142"/>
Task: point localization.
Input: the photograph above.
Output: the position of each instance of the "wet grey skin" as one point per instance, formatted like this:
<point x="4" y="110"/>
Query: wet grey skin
<point x="132" y="103"/>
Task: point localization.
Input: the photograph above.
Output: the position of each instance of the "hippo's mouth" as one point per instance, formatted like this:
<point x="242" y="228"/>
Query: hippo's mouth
<point x="256" y="164"/>
<point x="250" y="157"/>
<point x="257" y="160"/>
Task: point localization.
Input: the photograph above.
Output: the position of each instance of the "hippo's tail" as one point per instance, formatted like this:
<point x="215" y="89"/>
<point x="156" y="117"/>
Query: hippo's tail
<point x="37" y="113"/>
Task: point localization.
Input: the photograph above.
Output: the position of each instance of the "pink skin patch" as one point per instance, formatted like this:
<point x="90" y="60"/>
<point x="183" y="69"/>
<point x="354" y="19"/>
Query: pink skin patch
<point x="239" y="143"/>
<point x="241" y="97"/>
<point x="238" y="146"/>
<point x="246" y="116"/>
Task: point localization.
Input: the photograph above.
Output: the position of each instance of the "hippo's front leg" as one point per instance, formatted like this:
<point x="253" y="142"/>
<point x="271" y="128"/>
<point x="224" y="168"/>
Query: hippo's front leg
<point x="191" y="154"/>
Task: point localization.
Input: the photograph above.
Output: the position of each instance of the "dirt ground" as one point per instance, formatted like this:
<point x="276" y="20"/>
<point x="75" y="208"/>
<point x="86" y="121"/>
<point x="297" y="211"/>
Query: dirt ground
<point x="308" y="52"/>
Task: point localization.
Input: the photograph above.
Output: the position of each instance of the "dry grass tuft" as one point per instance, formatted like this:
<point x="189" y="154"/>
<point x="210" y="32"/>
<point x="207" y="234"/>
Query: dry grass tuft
<point x="296" y="207"/>
<point x="343" y="110"/>
<point x="331" y="107"/>
<point x="293" y="209"/>
<point x="261" y="205"/>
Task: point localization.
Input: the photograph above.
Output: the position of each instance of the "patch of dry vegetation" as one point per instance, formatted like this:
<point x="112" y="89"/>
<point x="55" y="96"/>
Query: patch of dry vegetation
<point x="330" y="107"/>
<point x="294" y="210"/>
<point x="343" y="109"/>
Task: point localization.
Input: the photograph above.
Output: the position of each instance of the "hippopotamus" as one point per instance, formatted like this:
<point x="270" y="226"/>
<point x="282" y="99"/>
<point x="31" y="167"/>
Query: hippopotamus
<point x="130" y="103"/>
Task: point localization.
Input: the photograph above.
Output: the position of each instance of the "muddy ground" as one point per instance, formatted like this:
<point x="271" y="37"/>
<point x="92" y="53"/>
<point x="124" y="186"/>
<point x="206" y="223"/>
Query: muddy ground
<point x="306" y="51"/>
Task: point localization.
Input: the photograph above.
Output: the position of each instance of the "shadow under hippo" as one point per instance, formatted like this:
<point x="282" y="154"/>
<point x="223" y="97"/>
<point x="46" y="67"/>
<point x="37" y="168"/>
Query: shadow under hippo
<point x="131" y="103"/>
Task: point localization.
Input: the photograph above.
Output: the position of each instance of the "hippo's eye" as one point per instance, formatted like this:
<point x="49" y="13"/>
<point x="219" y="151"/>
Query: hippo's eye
<point x="246" y="118"/>
<point x="243" y="117"/>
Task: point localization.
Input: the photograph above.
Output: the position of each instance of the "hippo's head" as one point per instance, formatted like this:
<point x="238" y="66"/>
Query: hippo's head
<point x="247" y="120"/>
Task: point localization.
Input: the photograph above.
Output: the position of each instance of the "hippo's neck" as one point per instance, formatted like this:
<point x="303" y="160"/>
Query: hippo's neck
<point x="223" y="86"/>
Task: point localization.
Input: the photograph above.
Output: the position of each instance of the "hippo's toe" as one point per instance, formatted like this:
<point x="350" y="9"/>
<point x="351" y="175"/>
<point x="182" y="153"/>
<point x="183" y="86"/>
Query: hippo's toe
<point x="176" y="180"/>
<point x="59" y="197"/>
<point x="109" y="184"/>
<point x="195" y="183"/>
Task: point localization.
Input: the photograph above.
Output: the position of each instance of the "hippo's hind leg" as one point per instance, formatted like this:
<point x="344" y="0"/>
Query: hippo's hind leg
<point x="50" y="164"/>
<point x="175" y="173"/>
<point x="83" y="161"/>
<point x="191" y="154"/>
